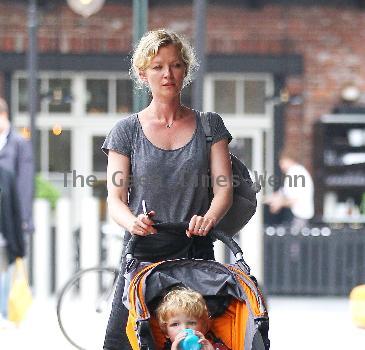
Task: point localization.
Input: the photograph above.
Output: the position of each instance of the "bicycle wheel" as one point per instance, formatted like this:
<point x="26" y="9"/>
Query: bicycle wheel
<point x="84" y="305"/>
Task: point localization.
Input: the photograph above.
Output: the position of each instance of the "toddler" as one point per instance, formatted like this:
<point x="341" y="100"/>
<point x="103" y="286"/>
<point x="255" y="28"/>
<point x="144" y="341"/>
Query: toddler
<point x="184" y="308"/>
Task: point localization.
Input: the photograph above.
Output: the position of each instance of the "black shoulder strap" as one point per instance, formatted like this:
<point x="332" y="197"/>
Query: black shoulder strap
<point x="207" y="129"/>
<point x="208" y="133"/>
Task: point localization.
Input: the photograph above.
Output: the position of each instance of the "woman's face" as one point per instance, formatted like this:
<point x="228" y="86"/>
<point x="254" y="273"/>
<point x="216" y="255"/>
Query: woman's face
<point x="166" y="73"/>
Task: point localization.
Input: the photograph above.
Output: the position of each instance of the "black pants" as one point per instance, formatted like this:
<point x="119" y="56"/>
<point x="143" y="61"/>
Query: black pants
<point x="116" y="337"/>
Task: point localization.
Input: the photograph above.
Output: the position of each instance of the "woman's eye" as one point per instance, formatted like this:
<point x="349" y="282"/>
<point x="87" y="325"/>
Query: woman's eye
<point x="157" y="67"/>
<point x="175" y="324"/>
<point x="192" y="323"/>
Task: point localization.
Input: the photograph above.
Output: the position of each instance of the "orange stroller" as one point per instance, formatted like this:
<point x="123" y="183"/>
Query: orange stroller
<point x="235" y="303"/>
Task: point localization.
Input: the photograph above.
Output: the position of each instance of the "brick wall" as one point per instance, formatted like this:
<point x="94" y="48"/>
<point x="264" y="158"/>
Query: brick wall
<point x="330" y="40"/>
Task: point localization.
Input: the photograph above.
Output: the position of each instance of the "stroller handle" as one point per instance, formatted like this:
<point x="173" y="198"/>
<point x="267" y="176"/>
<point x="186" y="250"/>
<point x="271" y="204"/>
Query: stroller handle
<point x="183" y="226"/>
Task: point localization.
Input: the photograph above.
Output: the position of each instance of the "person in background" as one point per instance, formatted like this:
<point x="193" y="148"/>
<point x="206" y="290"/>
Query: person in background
<point x="16" y="156"/>
<point x="11" y="238"/>
<point x="16" y="199"/>
<point x="293" y="203"/>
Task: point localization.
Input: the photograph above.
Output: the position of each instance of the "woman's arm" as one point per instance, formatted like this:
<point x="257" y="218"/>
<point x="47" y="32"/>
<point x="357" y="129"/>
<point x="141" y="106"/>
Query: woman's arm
<point x="118" y="182"/>
<point x="221" y="175"/>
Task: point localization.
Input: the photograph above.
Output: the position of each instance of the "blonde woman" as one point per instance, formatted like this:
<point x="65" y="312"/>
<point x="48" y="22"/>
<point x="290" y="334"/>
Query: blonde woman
<point x="159" y="155"/>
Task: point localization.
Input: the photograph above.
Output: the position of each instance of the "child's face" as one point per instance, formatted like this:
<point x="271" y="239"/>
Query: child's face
<point x="179" y="321"/>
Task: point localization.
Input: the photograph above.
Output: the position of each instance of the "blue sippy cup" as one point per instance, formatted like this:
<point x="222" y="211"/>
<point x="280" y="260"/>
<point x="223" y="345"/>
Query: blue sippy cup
<point x="191" y="341"/>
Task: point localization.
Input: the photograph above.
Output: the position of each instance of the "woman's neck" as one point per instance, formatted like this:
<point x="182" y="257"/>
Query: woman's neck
<point x="165" y="112"/>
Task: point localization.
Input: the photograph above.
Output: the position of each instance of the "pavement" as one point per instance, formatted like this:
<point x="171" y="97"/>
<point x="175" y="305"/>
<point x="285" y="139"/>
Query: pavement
<point x="295" y="323"/>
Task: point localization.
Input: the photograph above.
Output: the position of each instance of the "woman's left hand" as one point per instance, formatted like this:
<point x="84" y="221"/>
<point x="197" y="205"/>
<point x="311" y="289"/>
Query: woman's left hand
<point x="200" y="225"/>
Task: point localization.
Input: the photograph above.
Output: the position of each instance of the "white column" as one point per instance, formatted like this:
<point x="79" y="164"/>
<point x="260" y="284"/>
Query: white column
<point x="64" y="243"/>
<point x="219" y="251"/>
<point x="42" y="248"/>
<point x="89" y="245"/>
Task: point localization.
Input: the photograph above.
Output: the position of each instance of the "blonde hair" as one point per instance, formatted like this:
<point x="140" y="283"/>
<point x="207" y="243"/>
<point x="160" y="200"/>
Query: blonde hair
<point x="148" y="47"/>
<point x="182" y="300"/>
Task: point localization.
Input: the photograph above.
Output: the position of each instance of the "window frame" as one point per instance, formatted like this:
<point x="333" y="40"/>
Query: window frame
<point x="251" y="120"/>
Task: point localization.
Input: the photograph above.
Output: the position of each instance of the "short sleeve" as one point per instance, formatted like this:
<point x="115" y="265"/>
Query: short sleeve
<point x="219" y="130"/>
<point x="120" y="137"/>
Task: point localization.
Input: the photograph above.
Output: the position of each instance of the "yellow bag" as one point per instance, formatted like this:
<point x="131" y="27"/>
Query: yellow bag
<point x="357" y="305"/>
<point x="20" y="296"/>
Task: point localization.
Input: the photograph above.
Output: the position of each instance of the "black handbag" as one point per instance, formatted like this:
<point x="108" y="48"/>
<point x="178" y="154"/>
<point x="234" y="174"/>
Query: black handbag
<point x="244" y="189"/>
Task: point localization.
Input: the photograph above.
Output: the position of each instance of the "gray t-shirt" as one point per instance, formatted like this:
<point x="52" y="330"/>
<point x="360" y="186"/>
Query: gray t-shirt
<point x="174" y="183"/>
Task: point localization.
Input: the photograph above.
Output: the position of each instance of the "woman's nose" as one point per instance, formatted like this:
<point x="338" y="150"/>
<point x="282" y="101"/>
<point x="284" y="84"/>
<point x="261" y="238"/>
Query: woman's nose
<point x="167" y="71"/>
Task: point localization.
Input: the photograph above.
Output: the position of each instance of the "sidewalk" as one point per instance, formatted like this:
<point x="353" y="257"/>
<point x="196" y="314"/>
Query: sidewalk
<point x="313" y="323"/>
<point x="295" y="323"/>
<point x="39" y="331"/>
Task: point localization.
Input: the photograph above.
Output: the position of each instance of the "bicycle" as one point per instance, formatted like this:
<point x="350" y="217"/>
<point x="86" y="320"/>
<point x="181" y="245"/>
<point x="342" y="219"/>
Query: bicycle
<point x="84" y="303"/>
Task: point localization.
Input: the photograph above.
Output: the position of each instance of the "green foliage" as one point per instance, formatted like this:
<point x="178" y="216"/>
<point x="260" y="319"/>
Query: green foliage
<point x="46" y="190"/>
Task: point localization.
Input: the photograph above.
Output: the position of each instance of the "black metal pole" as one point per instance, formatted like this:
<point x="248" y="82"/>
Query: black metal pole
<point x="200" y="30"/>
<point x="32" y="65"/>
<point x="140" y="21"/>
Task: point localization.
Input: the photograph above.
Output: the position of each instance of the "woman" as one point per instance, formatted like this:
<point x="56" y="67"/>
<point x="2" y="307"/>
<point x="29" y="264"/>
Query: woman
<point x="159" y="155"/>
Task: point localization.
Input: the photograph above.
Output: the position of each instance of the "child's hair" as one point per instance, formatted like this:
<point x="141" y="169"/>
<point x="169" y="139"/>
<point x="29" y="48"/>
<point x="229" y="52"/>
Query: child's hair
<point x="182" y="300"/>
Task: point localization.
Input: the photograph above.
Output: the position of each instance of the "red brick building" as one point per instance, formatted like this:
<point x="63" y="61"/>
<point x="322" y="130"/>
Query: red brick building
<point x="255" y="49"/>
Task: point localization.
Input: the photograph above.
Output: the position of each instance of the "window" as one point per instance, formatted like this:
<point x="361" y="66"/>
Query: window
<point x="124" y="96"/>
<point x="53" y="93"/>
<point x="62" y="94"/>
<point x="97" y="96"/>
<point x="100" y="160"/>
<point x="23" y="97"/>
<point x="59" y="151"/>
<point x="254" y="97"/>
<point x="59" y="95"/>
<point x="240" y="95"/>
<point x="225" y="96"/>
<point x="53" y="152"/>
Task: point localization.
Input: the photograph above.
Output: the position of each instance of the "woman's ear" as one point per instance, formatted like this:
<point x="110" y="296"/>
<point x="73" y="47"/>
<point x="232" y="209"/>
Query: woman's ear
<point x="143" y="76"/>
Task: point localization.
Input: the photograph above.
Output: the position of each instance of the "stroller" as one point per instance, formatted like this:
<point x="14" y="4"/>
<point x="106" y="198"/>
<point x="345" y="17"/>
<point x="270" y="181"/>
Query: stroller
<point x="235" y="303"/>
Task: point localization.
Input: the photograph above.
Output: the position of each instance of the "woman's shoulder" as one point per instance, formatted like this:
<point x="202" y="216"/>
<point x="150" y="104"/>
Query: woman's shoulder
<point x="217" y="127"/>
<point x="121" y="136"/>
<point x="126" y="126"/>
<point x="129" y="121"/>
<point x="214" y="117"/>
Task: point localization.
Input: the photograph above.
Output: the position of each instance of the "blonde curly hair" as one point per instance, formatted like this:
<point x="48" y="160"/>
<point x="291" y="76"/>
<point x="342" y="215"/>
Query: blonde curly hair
<point x="182" y="300"/>
<point x="148" y="47"/>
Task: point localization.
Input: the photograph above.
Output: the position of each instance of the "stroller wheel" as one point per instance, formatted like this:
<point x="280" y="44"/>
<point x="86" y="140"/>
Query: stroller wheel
<point x="84" y="305"/>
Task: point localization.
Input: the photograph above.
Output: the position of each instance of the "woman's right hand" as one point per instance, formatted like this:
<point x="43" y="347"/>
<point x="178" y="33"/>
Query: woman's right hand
<point x="142" y="225"/>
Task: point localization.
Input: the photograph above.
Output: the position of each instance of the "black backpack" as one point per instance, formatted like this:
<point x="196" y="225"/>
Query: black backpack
<point x="244" y="189"/>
